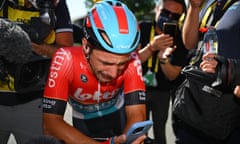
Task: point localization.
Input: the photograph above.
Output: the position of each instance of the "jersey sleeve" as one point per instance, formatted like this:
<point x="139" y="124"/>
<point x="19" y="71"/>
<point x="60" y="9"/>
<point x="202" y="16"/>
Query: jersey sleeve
<point x="133" y="79"/>
<point x="60" y="75"/>
<point x="63" y="19"/>
<point x="134" y="87"/>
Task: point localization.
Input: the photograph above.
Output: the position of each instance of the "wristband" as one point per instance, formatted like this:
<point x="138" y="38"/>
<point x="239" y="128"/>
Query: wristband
<point x="164" y="60"/>
<point x="112" y="140"/>
<point x="106" y="142"/>
<point x="109" y="141"/>
<point x="149" y="46"/>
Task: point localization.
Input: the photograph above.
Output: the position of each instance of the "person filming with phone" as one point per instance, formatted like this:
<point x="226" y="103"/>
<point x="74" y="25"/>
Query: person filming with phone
<point x="101" y="80"/>
<point x="162" y="67"/>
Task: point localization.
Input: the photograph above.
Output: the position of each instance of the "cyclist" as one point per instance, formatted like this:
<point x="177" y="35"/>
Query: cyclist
<point x="102" y="80"/>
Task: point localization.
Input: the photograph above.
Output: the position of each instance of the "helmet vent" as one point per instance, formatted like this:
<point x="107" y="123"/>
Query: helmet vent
<point x="116" y="3"/>
<point x="110" y="2"/>
<point x="105" y="37"/>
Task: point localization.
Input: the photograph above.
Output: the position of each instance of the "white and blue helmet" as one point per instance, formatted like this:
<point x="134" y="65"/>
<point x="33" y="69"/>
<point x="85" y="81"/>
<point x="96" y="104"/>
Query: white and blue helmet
<point x="112" y="26"/>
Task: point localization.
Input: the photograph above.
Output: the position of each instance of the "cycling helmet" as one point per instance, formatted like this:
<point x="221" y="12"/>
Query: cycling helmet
<point x="112" y="26"/>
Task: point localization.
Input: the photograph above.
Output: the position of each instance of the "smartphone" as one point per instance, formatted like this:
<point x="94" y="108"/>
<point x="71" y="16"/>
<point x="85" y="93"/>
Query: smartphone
<point x="171" y="29"/>
<point x="138" y="129"/>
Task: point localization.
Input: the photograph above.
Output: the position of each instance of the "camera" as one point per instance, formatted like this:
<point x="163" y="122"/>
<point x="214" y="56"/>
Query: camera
<point x="38" y="28"/>
<point x="31" y="76"/>
<point x="228" y="71"/>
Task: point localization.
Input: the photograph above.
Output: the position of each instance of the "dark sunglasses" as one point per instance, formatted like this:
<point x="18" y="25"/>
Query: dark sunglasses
<point x="167" y="16"/>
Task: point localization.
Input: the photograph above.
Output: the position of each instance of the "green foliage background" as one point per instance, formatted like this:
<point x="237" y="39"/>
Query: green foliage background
<point x="143" y="9"/>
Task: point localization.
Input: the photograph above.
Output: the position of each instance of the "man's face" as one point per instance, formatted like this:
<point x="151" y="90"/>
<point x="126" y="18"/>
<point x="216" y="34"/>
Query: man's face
<point x="169" y="12"/>
<point x="107" y="66"/>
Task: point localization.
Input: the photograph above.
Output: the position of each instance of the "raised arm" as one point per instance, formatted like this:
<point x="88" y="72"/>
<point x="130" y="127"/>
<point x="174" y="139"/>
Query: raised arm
<point x="191" y="24"/>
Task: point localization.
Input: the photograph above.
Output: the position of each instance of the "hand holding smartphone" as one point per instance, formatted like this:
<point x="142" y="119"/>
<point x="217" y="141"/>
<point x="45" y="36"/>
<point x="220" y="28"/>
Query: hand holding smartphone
<point x="138" y="129"/>
<point x="171" y="29"/>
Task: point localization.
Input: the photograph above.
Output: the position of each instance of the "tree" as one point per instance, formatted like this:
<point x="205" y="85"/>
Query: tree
<point x="143" y="9"/>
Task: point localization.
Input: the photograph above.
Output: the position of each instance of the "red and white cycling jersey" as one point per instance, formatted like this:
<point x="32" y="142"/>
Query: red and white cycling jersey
<point x="70" y="79"/>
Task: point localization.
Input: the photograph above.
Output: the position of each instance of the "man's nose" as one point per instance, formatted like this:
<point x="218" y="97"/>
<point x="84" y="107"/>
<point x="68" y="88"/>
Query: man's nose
<point x="114" y="71"/>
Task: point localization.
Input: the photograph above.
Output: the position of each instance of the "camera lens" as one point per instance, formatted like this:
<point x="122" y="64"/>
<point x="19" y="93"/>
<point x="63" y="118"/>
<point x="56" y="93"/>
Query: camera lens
<point x="32" y="73"/>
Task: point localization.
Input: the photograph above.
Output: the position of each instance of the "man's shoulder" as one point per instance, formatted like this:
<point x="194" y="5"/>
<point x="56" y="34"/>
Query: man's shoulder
<point x="70" y="51"/>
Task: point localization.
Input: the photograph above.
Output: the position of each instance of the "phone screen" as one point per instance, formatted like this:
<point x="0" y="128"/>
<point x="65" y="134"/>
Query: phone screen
<point x="171" y="29"/>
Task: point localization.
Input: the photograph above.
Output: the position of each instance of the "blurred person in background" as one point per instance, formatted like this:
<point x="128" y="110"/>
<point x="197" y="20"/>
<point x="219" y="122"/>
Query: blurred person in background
<point x="224" y="15"/>
<point x="162" y="64"/>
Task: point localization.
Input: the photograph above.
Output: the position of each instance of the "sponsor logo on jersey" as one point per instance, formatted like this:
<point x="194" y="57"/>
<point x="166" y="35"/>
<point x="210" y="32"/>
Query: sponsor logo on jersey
<point x="83" y="78"/>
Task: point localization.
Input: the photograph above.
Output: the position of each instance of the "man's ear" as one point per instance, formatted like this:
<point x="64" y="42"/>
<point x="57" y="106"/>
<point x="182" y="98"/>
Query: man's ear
<point x="86" y="48"/>
<point x="84" y="41"/>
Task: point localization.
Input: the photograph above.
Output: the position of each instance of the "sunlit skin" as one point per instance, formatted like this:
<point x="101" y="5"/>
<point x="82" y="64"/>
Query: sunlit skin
<point x="63" y="39"/>
<point x="107" y="66"/>
<point x="209" y="65"/>
<point x="237" y="91"/>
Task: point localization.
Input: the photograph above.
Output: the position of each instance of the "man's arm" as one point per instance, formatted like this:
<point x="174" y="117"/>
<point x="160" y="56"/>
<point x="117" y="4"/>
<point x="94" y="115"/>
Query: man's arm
<point x="63" y="39"/>
<point x="55" y="125"/>
<point x="191" y="24"/>
<point x="134" y="113"/>
<point x="237" y="91"/>
<point x="63" y="32"/>
<point x="171" y="71"/>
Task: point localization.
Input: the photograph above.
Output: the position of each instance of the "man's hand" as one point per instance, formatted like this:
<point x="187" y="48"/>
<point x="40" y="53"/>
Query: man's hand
<point x="158" y="43"/>
<point x="237" y="91"/>
<point x="196" y="3"/>
<point x="164" y="54"/>
<point x="161" y="42"/>
<point x="209" y="63"/>
<point x="122" y="139"/>
<point x="43" y="49"/>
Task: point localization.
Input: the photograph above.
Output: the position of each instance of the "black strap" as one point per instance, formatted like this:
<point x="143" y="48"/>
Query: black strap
<point x="221" y="8"/>
<point x="5" y="10"/>
<point x="205" y="8"/>
<point x="218" y="11"/>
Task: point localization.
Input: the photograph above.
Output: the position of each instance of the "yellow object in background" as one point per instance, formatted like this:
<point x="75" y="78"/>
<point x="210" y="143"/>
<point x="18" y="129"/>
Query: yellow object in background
<point x="96" y="1"/>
